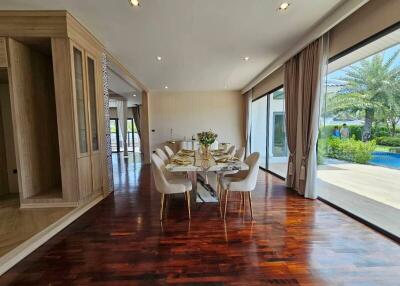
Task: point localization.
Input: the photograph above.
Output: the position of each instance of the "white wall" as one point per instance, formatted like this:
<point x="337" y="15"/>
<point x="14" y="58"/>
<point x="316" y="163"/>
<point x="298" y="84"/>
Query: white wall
<point x="190" y="112"/>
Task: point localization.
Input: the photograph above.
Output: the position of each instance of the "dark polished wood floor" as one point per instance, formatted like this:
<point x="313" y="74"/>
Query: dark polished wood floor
<point x="293" y="241"/>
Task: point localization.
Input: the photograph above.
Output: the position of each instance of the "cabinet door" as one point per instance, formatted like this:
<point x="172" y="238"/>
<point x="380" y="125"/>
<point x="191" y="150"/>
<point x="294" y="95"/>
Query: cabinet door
<point x="81" y="121"/>
<point x="80" y="101"/>
<point x="92" y="66"/>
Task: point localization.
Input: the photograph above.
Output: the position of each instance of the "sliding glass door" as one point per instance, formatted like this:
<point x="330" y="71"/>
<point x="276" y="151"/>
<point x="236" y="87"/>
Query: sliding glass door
<point x="259" y="129"/>
<point x="268" y="132"/>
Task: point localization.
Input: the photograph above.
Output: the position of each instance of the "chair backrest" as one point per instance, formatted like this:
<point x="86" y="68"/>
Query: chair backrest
<point x="231" y="150"/>
<point x="169" y="151"/>
<point x="240" y="153"/>
<point x="253" y="161"/>
<point x="160" y="178"/>
<point x="162" y="155"/>
<point x="214" y="146"/>
<point x="158" y="170"/>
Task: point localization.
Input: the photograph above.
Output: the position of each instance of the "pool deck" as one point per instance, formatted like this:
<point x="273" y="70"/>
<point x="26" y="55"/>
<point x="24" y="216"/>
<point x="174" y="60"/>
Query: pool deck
<point x="375" y="182"/>
<point x="369" y="192"/>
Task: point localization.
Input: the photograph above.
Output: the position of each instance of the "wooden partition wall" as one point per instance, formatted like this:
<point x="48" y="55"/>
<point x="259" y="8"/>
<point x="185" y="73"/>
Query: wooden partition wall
<point x="56" y="91"/>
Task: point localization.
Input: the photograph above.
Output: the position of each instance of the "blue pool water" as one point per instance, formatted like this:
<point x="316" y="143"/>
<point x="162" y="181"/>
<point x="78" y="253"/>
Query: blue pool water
<point x="386" y="159"/>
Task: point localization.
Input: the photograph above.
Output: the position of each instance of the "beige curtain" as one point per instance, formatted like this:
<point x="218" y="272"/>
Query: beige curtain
<point x="122" y="112"/>
<point x="291" y="79"/>
<point x="303" y="81"/>
<point x="248" y="100"/>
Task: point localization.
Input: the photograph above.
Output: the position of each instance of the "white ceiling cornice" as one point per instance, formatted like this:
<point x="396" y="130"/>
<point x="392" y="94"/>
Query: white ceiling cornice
<point x="320" y="28"/>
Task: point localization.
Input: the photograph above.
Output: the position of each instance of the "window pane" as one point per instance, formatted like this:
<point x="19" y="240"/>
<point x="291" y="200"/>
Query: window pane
<point x="259" y="129"/>
<point x="359" y="138"/>
<point x="80" y="101"/>
<point x="93" y="104"/>
<point x="278" y="151"/>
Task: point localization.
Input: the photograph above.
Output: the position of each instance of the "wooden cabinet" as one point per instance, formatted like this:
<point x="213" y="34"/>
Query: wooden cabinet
<point x="56" y="89"/>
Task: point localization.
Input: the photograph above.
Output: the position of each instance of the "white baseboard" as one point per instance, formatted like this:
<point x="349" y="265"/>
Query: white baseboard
<point x="27" y="247"/>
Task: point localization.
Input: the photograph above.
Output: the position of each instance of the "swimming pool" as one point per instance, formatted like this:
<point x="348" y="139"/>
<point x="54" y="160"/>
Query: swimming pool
<point x="386" y="159"/>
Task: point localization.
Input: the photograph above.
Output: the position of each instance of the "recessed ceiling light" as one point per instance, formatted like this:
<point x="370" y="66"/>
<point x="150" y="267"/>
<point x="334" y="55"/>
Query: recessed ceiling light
<point x="134" y="3"/>
<point x="166" y="87"/>
<point x="246" y="59"/>
<point x="134" y="94"/>
<point x="159" y="58"/>
<point x="284" y="6"/>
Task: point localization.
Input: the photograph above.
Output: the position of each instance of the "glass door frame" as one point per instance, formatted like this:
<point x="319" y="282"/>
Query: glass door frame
<point x="267" y="145"/>
<point x="116" y="134"/>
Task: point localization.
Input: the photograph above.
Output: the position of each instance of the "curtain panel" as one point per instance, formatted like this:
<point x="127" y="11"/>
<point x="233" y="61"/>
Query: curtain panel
<point x="136" y="118"/>
<point x="122" y="112"/>
<point x="303" y="88"/>
<point x="248" y="100"/>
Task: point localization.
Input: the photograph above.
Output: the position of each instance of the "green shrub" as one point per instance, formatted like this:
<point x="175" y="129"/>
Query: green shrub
<point x="350" y="150"/>
<point x="388" y="141"/>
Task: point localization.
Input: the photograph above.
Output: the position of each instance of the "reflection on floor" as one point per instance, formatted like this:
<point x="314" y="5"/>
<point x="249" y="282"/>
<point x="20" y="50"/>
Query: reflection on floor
<point x="293" y="241"/>
<point x="17" y="225"/>
<point x="370" y="192"/>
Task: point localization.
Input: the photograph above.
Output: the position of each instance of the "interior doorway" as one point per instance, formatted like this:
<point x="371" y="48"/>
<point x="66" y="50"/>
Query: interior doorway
<point x="132" y="137"/>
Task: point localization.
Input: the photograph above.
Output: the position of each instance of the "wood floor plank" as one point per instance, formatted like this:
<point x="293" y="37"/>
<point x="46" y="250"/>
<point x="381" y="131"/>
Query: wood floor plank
<point x="293" y="241"/>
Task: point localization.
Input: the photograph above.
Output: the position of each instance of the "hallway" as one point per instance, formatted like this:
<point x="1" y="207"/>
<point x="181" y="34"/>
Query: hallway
<point x="292" y="241"/>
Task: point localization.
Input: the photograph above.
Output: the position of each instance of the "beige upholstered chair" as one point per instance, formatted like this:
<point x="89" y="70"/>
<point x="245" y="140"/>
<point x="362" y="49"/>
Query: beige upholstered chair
<point x="242" y="181"/>
<point x="240" y="153"/>
<point x="169" y="152"/>
<point x="231" y="150"/>
<point x="162" y="155"/>
<point x="169" y="185"/>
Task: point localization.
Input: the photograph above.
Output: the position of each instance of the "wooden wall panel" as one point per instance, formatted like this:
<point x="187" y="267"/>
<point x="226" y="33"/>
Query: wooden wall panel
<point x="65" y="117"/>
<point x="4" y="189"/>
<point x="144" y="127"/>
<point x="8" y="137"/>
<point x="3" y="53"/>
<point x="34" y="116"/>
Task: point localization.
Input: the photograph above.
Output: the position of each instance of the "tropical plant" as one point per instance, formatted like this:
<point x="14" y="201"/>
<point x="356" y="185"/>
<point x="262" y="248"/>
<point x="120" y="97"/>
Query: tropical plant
<point x="350" y="150"/>
<point x="372" y="87"/>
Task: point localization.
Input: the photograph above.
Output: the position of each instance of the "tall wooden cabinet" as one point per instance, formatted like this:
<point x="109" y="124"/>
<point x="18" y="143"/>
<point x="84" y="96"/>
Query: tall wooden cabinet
<point x="57" y="106"/>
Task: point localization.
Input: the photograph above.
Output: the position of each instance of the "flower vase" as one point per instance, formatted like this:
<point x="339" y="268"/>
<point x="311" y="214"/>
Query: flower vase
<point x="206" y="152"/>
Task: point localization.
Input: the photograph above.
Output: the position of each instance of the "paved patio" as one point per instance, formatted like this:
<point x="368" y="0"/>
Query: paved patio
<point x="370" y="192"/>
<point x="375" y="182"/>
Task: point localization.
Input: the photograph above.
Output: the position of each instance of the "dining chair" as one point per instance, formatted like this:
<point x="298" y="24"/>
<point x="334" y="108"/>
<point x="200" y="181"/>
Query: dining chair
<point x="242" y="181"/>
<point x="214" y="146"/>
<point x="162" y="155"/>
<point x="231" y="150"/>
<point x="169" y="152"/>
<point x="240" y="153"/>
<point x="167" y="186"/>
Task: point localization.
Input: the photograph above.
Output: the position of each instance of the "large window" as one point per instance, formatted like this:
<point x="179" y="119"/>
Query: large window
<point x="359" y="141"/>
<point x="268" y="132"/>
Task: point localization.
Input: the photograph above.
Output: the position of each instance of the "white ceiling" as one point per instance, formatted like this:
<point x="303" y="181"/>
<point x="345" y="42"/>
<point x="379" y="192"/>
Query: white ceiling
<point x="202" y="42"/>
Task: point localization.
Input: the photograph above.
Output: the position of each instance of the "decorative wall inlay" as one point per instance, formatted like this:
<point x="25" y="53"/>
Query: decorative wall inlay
<point x="107" y="122"/>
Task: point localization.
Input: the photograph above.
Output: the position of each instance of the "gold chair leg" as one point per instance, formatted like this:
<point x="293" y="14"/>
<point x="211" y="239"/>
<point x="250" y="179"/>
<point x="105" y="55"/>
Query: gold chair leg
<point x="162" y="206"/>
<point x="188" y="203"/>
<point x="226" y="201"/>
<point x="251" y="207"/>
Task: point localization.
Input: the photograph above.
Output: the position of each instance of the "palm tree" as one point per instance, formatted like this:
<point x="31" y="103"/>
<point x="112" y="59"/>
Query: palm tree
<point x="368" y="87"/>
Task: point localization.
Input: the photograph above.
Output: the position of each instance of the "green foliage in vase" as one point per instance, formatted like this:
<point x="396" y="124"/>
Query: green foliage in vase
<point x="206" y="138"/>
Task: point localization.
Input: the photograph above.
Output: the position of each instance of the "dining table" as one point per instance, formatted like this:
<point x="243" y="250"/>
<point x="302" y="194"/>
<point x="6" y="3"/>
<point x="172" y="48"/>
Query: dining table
<point x="200" y="165"/>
